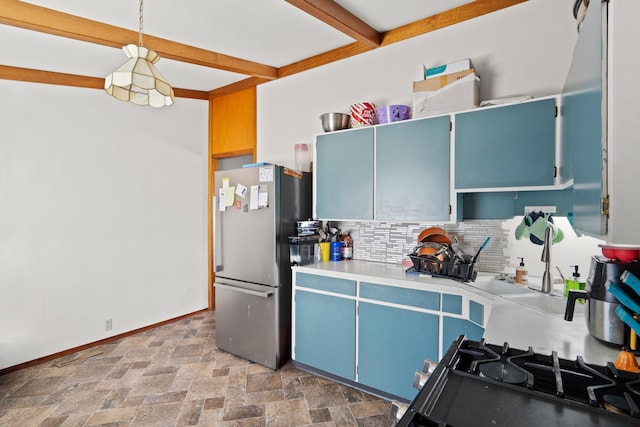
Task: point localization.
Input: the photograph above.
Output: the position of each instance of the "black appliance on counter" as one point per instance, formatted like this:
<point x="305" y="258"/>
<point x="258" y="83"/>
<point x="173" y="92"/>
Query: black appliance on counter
<point x="479" y="384"/>
<point x="601" y="318"/>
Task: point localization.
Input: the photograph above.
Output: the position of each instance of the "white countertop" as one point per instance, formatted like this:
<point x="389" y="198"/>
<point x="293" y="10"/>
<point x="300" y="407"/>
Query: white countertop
<point x="519" y="325"/>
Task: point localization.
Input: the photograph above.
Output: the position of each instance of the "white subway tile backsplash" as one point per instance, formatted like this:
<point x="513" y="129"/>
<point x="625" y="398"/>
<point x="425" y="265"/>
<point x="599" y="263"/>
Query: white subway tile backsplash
<point x="391" y="242"/>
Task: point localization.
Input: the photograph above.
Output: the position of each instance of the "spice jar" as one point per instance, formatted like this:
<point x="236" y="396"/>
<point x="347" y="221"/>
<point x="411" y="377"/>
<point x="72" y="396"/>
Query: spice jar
<point x="347" y="246"/>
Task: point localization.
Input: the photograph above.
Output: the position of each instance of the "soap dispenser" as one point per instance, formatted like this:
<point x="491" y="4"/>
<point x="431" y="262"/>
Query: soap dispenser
<point x="522" y="275"/>
<point x="573" y="283"/>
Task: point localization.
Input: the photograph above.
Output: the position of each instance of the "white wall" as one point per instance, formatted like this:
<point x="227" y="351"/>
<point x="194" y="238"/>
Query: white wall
<point x="572" y="250"/>
<point x="524" y="49"/>
<point x="102" y="216"/>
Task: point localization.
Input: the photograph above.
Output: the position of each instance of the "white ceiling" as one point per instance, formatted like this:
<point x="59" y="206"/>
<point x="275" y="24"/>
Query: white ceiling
<point x="270" y="32"/>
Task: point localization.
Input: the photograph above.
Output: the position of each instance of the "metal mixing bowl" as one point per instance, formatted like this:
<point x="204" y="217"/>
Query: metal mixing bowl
<point x="334" y="121"/>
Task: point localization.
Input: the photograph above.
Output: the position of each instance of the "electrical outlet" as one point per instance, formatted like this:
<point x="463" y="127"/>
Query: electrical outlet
<point x="108" y="324"/>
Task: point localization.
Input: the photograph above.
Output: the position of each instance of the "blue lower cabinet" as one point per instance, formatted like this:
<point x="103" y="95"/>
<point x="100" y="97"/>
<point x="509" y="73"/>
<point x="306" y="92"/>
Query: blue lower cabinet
<point x="453" y="327"/>
<point x="402" y="296"/>
<point x="392" y="345"/>
<point x="325" y="336"/>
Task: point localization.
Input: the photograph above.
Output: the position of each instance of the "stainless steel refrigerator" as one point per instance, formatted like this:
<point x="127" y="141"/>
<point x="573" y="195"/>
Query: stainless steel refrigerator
<point x="256" y="210"/>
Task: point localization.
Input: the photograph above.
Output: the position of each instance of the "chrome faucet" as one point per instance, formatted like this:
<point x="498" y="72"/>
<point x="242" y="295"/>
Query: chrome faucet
<point x="546" y="258"/>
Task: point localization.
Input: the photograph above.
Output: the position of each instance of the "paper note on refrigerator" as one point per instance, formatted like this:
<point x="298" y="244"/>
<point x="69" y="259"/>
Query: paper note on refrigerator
<point x="222" y="199"/>
<point x="253" y="197"/>
<point x="266" y="174"/>
<point x="263" y="200"/>
<point x="241" y="190"/>
<point x="230" y="195"/>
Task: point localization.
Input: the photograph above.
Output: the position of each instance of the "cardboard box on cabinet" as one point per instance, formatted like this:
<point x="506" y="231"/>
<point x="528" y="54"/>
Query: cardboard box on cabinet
<point x="426" y="73"/>
<point x="446" y="94"/>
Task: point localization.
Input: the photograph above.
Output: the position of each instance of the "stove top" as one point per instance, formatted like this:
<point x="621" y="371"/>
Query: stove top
<point x="482" y="384"/>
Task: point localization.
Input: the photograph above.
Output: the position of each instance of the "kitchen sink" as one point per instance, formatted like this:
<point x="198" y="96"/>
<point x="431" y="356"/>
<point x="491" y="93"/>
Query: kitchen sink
<point x="495" y="286"/>
<point x="526" y="295"/>
<point x="550" y="304"/>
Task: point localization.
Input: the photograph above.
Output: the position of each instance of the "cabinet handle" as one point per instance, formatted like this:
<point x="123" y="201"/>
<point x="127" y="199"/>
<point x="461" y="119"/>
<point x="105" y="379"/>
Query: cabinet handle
<point x="217" y="245"/>
<point x="604" y="206"/>
<point x="266" y="294"/>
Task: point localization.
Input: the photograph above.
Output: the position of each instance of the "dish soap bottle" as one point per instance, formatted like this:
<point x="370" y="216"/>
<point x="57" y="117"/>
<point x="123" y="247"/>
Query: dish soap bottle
<point x="573" y="283"/>
<point x="522" y="275"/>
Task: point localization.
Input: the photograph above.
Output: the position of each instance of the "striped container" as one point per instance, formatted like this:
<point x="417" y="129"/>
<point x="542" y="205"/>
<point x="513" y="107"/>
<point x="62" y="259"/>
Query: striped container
<point x="363" y="114"/>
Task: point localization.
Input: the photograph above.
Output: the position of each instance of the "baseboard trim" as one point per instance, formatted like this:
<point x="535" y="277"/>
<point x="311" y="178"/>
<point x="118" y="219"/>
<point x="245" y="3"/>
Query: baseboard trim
<point x="95" y="343"/>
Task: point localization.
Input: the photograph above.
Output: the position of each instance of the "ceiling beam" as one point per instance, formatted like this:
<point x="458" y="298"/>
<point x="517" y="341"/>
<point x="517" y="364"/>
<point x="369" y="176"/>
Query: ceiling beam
<point x="49" y="77"/>
<point x="432" y="23"/>
<point x="331" y="13"/>
<point x="75" y="80"/>
<point x="328" y="57"/>
<point x="235" y="87"/>
<point x="37" y="18"/>
<point x="24" y="15"/>
<point x="445" y="19"/>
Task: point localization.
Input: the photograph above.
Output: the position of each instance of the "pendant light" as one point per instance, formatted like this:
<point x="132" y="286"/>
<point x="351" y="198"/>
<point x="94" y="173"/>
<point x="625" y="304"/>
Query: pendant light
<point x="137" y="80"/>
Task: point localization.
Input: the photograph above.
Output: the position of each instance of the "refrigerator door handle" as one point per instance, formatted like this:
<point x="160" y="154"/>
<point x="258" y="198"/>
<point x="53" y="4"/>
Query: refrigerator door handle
<point x="265" y="294"/>
<point x="217" y="239"/>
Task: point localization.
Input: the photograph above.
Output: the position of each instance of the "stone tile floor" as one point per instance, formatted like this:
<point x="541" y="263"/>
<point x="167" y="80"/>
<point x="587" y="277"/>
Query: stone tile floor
<point x="174" y="375"/>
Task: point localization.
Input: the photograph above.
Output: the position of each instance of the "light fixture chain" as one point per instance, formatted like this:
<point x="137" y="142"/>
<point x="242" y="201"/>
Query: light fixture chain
<point x="141" y="22"/>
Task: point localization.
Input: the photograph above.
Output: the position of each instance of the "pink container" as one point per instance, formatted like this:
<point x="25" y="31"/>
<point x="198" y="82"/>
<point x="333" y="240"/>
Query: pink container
<point x="303" y="157"/>
<point x="363" y="114"/>
<point x="393" y="113"/>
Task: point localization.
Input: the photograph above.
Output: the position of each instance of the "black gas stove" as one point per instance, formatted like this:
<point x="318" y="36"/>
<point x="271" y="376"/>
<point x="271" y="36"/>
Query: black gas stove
<point x="480" y="384"/>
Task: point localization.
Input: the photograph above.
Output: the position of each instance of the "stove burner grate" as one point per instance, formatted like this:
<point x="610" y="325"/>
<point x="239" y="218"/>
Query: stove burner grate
<point x="497" y="365"/>
<point x="475" y="378"/>
<point x="503" y="372"/>
<point x="618" y="395"/>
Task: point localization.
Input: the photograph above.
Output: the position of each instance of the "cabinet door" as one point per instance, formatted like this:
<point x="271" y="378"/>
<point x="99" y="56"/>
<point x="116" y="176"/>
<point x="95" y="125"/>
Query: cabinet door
<point x="507" y="146"/>
<point x="413" y="170"/>
<point x="453" y="327"/>
<point x="582" y="125"/>
<point x="246" y="322"/>
<point x="344" y="175"/>
<point x="325" y="333"/>
<point x="392" y="344"/>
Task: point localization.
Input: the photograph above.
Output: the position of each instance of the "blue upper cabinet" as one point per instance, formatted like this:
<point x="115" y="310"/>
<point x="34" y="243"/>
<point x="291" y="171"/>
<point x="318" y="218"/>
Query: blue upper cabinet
<point x="344" y="175"/>
<point x="402" y="171"/>
<point x="413" y="170"/>
<point x="508" y="146"/>
<point x="582" y="125"/>
<point x="600" y="123"/>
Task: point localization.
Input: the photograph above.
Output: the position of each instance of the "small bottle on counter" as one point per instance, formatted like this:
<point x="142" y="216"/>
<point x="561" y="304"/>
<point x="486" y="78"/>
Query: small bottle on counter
<point x="336" y="251"/>
<point x="522" y="275"/>
<point x="317" y="256"/>
<point x="574" y="283"/>
<point x="347" y="247"/>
